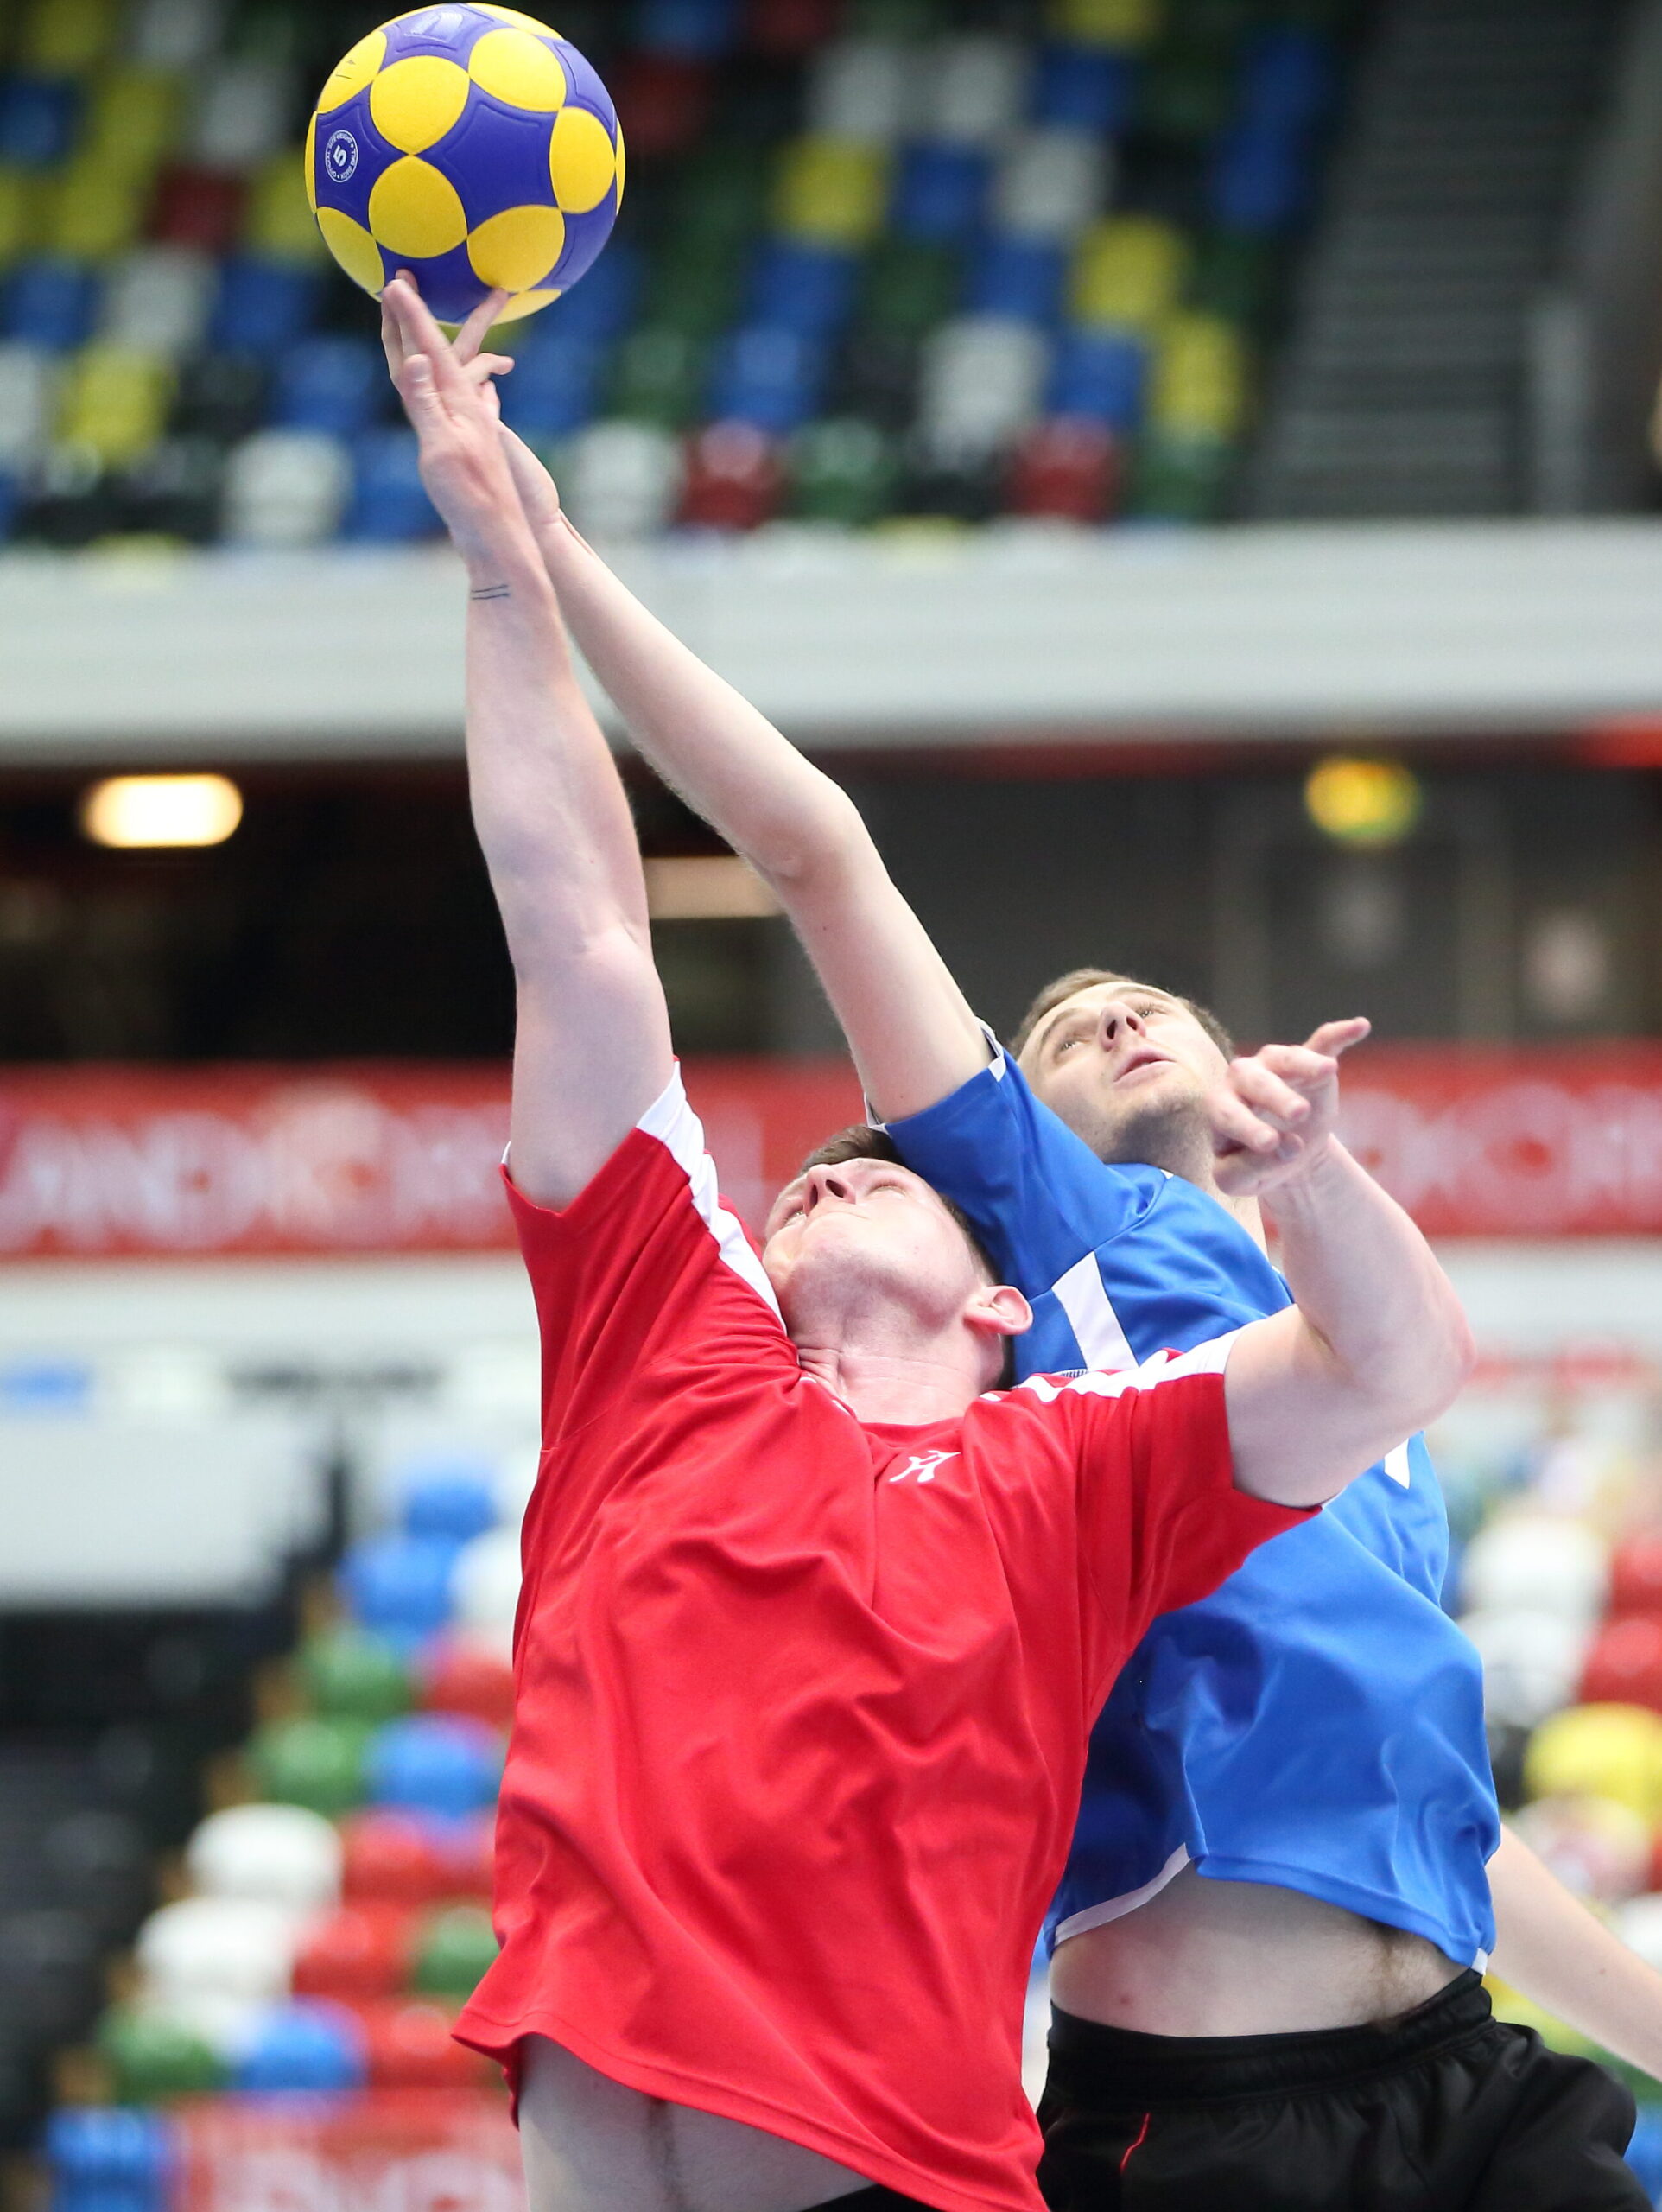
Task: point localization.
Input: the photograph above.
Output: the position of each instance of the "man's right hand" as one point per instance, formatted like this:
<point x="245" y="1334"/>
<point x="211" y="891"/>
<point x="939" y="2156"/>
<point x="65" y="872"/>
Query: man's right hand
<point x="463" y="463"/>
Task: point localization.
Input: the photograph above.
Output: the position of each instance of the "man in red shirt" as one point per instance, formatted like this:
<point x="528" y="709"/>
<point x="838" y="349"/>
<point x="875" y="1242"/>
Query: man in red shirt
<point x="815" y="1619"/>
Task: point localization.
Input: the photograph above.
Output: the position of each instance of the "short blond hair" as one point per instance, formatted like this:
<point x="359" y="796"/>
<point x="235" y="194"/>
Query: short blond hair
<point x="1083" y="979"/>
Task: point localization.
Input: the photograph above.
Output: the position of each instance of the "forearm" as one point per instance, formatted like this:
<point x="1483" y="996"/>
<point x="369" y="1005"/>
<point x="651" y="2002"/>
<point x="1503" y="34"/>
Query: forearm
<point x="705" y="740"/>
<point x="1370" y="1290"/>
<point x="1556" y="1953"/>
<point x="913" y="1037"/>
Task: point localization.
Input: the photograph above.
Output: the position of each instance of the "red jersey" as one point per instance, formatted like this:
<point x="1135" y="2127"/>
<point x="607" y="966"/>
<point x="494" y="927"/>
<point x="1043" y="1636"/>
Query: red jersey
<point x="803" y="1702"/>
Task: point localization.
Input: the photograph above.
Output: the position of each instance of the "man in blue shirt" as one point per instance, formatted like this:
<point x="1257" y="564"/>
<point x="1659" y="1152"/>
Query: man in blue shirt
<point x="1269" y="1937"/>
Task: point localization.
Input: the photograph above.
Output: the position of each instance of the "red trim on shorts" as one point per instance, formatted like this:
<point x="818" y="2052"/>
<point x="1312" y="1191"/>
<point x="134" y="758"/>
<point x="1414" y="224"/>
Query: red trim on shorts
<point x="1138" y="2145"/>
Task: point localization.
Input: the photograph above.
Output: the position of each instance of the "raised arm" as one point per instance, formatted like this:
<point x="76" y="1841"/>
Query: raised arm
<point x="1375" y="1344"/>
<point x="913" y="1037"/>
<point x="592" y="1034"/>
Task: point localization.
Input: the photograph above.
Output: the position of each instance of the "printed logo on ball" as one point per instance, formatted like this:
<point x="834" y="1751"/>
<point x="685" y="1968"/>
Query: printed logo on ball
<point x="340" y="156"/>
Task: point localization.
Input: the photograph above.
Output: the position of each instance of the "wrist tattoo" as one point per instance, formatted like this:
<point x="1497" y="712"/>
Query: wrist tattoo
<point x="492" y="591"/>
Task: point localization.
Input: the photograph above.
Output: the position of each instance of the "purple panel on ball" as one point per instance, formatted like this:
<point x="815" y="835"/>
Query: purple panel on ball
<point x="448" y="284"/>
<point x="352" y="158"/>
<point x="496" y="156"/>
<point x="585" y="235"/>
<point x="586" y="85"/>
<point x="451" y="32"/>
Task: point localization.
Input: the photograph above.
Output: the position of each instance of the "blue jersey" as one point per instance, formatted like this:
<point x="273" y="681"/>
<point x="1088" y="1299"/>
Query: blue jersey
<point x="1317" y="1722"/>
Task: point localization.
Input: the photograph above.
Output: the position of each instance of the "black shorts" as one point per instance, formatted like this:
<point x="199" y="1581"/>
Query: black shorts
<point x="1445" y="2109"/>
<point x="875" y="2199"/>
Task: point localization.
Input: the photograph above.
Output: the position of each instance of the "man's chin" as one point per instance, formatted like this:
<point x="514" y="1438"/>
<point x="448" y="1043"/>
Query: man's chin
<point x="1160" y="1124"/>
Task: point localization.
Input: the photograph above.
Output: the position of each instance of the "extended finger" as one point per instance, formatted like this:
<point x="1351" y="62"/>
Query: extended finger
<point x="471" y="336"/>
<point x="1297" y="1064"/>
<point x="1263" y="1089"/>
<point x="1338" y="1037"/>
<point x="1233" y="1123"/>
<point x="391" y="344"/>
<point x="421" y="334"/>
<point x="483" y="368"/>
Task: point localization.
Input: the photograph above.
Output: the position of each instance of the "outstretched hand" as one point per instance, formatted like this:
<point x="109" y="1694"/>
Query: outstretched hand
<point x="1273" y="1113"/>
<point x="453" y="412"/>
<point x="481" y="369"/>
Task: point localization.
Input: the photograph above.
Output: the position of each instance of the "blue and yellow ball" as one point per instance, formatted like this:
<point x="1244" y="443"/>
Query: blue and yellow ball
<point x="473" y="146"/>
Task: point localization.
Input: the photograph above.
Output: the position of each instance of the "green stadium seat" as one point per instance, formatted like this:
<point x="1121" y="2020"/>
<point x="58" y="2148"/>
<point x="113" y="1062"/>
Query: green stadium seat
<point x="1237" y="277"/>
<point x="658" y="377"/>
<point x="908" y="286"/>
<point x="1186" y="96"/>
<point x="347" y="1673"/>
<point x="313" y="1762"/>
<point x="152" y="2059"/>
<point x="844" y="471"/>
<point x="454" y="1951"/>
<point x="1179" y="477"/>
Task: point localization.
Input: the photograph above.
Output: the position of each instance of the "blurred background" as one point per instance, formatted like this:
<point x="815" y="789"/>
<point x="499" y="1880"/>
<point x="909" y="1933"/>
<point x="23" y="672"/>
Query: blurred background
<point x="1185" y="465"/>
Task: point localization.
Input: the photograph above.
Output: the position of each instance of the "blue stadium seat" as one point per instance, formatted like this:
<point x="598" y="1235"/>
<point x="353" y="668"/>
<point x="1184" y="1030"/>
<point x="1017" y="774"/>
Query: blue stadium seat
<point x="399" y="1585"/>
<point x="433" y="1763"/>
<point x="451" y="1501"/>
<point x="49" y="302"/>
<point x="1088" y="86"/>
<point x="335" y="384"/>
<point x="107" y="2160"/>
<point x="1261" y="180"/>
<point x="389" y="504"/>
<point x="940" y="192"/>
<point x="554" y="386"/>
<point x="692" y="30"/>
<point x="807" y="288"/>
<point x="307" y="2043"/>
<point x="768" y="377"/>
<point x="1287" y="79"/>
<point x="1018" y="278"/>
<point x="263" y="305"/>
<point x="1101" y="373"/>
<point x="10" y="499"/>
<point x="599" y="308"/>
<point x="38" y="118"/>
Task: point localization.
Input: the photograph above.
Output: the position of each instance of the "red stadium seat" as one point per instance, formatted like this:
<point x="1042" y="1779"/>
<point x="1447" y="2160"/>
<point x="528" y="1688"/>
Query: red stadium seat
<point x="355" y="1955"/>
<point x="468" y="1678"/>
<point x="1068" y="467"/>
<point x="734" y="478"/>
<point x="1636" y="1574"/>
<point x="790" y="27"/>
<point x="663" y="104"/>
<point x="1624" y="1664"/>
<point x="410" y="2047"/>
<point x="392" y="1857"/>
<point x="197" y="207"/>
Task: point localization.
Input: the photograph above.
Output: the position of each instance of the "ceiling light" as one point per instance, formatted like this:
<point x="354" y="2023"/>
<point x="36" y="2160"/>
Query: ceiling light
<point x="706" y="888"/>
<point x="149" y="811"/>
<point x="1363" y="802"/>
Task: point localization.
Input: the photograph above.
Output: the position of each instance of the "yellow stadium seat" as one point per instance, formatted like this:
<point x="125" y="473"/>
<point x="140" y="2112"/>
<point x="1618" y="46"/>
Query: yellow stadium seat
<point x="1610" y="1750"/>
<point x="1107" y="22"/>
<point x="1200" y="376"/>
<point x="20" y="213"/>
<point x="280" y="221"/>
<point x="65" y="38"/>
<point x="1128" y="272"/>
<point x="132" y="118"/>
<point x="833" y="191"/>
<point x="115" y="403"/>
<point x="95" y="211"/>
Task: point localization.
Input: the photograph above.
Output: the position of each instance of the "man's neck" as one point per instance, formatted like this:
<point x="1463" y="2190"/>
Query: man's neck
<point x="906" y="1389"/>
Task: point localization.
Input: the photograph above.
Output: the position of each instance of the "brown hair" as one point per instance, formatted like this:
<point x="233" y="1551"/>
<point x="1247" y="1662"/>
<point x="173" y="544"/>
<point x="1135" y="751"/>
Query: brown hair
<point x="860" y="1141"/>
<point x="1082" y="979"/>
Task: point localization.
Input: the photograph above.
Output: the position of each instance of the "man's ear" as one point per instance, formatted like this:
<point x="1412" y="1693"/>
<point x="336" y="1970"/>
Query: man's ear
<point x="1000" y="1309"/>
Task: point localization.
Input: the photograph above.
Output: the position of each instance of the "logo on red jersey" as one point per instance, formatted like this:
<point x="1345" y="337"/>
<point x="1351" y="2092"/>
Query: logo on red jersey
<point x="923" y="1465"/>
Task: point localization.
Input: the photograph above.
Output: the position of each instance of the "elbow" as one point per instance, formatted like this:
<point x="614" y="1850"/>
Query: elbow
<point x="817" y="847"/>
<point x="1421" y="1388"/>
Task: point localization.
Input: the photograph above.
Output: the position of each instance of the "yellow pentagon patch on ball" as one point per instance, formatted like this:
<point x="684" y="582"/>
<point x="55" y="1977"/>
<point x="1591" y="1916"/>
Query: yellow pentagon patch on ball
<point x="353" y="248"/>
<point x="523" y="303"/>
<point x="353" y="71"/>
<point x="519" y="69"/>
<point x="517" y="248"/>
<point x="415" y="212"/>
<point x="415" y="102"/>
<point x="520" y="22"/>
<point x="582" y="162"/>
<point x="310" y="159"/>
<point x="622" y="165"/>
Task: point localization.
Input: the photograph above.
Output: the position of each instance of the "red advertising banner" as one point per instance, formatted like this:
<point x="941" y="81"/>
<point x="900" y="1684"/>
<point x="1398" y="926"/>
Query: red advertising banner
<point x="105" y="1162"/>
<point x="388" y="2151"/>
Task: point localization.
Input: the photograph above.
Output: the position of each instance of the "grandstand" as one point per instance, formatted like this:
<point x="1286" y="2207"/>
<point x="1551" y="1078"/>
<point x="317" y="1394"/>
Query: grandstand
<point x="1086" y="425"/>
